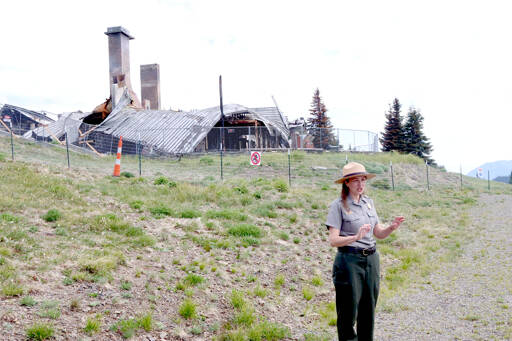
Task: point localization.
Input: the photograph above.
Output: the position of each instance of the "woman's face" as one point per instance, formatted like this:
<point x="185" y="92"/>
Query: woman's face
<point x="356" y="185"/>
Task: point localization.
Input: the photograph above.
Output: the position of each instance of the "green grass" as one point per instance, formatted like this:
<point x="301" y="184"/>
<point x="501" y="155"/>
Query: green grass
<point x="129" y="327"/>
<point x="193" y="279"/>
<point x="28" y="301"/>
<point x="125" y="232"/>
<point x="237" y="299"/>
<point x="92" y="325"/>
<point x="52" y="215"/>
<point x="12" y="289"/>
<point x="188" y="309"/>
<point x="245" y="230"/>
<point x="40" y="331"/>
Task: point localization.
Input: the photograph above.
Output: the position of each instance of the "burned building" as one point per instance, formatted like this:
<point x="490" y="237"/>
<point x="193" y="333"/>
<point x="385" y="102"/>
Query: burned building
<point x="22" y="120"/>
<point x="167" y="132"/>
<point x="158" y="131"/>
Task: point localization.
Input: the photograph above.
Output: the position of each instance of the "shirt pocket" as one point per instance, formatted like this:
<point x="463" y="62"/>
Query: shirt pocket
<point x="351" y="224"/>
<point x="372" y="217"/>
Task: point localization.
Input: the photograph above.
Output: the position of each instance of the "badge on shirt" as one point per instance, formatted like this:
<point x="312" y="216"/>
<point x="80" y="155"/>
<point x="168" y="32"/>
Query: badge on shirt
<point x="369" y="206"/>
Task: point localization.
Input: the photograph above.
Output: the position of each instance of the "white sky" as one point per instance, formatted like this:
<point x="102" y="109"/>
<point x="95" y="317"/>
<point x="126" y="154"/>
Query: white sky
<point x="450" y="59"/>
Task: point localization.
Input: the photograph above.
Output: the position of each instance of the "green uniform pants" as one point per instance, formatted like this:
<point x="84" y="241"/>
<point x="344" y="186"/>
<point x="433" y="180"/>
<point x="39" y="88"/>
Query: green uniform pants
<point x="356" y="280"/>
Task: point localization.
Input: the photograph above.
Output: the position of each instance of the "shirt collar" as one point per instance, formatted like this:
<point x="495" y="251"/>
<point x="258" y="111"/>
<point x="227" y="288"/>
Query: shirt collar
<point x="362" y="199"/>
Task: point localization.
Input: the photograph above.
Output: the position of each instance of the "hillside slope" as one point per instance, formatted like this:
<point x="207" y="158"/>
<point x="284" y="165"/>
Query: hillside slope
<point x="87" y="254"/>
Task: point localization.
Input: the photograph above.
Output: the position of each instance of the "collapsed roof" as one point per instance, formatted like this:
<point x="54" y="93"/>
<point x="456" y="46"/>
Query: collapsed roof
<point x="22" y="120"/>
<point x="173" y="132"/>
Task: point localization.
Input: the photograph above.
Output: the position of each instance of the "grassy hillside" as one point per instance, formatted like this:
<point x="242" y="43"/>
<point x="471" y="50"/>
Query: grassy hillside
<point x="179" y="254"/>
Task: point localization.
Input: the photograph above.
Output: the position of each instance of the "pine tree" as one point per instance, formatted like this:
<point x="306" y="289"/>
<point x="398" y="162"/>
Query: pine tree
<point x="415" y="141"/>
<point x="510" y="180"/>
<point x="319" y="124"/>
<point x="392" y="138"/>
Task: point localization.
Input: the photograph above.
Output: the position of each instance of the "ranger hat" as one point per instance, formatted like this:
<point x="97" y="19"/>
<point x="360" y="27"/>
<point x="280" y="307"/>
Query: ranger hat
<point x="351" y="170"/>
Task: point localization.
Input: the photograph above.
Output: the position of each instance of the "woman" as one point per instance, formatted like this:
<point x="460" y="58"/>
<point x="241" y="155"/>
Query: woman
<point x="353" y="222"/>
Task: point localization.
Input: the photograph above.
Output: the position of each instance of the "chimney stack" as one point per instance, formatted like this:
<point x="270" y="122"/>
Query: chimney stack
<point x="150" y="85"/>
<point x="119" y="62"/>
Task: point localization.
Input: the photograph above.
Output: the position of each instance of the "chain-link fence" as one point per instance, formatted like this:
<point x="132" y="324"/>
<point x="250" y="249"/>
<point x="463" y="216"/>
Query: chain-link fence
<point x="292" y="167"/>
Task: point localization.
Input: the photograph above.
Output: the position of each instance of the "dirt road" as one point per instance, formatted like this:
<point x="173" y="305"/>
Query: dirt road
<point x="468" y="299"/>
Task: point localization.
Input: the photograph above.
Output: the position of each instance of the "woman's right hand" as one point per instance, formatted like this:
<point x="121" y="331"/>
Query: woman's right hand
<point x="363" y="230"/>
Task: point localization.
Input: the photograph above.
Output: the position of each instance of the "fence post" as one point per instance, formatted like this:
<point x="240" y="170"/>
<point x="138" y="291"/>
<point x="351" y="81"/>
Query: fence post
<point x="12" y="143"/>
<point x="488" y="180"/>
<point x="289" y="170"/>
<point x="392" y="175"/>
<point x="428" y="182"/>
<point x="67" y="149"/>
<point x="461" y="177"/>
<point x="140" y="155"/>
<point x="221" y="156"/>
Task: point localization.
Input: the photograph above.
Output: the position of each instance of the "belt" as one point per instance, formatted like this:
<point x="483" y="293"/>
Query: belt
<point x="358" y="250"/>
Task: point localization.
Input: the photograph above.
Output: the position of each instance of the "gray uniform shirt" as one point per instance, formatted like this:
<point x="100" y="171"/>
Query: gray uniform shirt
<point x="349" y="223"/>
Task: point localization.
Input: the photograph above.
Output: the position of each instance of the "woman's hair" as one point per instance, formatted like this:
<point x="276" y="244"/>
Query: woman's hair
<point x="344" y="195"/>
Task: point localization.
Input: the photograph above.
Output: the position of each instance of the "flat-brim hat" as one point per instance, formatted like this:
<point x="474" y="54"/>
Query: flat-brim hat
<point x="353" y="169"/>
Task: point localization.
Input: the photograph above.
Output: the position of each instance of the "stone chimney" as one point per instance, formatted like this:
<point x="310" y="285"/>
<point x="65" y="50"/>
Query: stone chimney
<point x="150" y="86"/>
<point x="119" y="62"/>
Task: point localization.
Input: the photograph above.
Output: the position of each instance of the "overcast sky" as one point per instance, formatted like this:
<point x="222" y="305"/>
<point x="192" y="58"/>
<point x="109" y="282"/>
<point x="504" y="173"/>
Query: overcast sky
<point x="452" y="60"/>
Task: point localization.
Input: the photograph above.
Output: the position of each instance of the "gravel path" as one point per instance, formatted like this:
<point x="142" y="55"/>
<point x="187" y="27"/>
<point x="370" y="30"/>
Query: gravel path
<point x="469" y="299"/>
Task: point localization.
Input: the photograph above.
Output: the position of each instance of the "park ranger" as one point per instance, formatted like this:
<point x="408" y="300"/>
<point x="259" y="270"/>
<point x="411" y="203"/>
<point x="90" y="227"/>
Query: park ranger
<point x="353" y="223"/>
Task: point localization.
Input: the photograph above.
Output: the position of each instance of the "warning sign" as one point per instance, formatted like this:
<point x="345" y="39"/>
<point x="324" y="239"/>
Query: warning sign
<point x="255" y="158"/>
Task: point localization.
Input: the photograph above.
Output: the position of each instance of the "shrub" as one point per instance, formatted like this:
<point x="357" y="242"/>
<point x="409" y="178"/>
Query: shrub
<point x="242" y="189"/>
<point x="280" y="185"/>
<point x="127" y="175"/>
<point x="161" y="180"/>
<point x="137" y="204"/>
<point x="28" y="301"/>
<point x="161" y="211"/>
<point x="52" y="215"/>
<point x="189" y="214"/>
<point x="40" y="331"/>
<point x="9" y="218"/>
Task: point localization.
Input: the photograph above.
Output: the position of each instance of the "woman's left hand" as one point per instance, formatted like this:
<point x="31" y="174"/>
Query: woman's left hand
<point x="396" y="223"/>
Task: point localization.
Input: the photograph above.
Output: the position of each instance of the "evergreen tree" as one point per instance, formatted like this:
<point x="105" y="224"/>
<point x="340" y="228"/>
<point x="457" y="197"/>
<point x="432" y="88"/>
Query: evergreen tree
<point x="510" y="180"/>
<point x="392" y="138"/>
<point x="319" y="124"/>
<point x="415" y="141"/>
